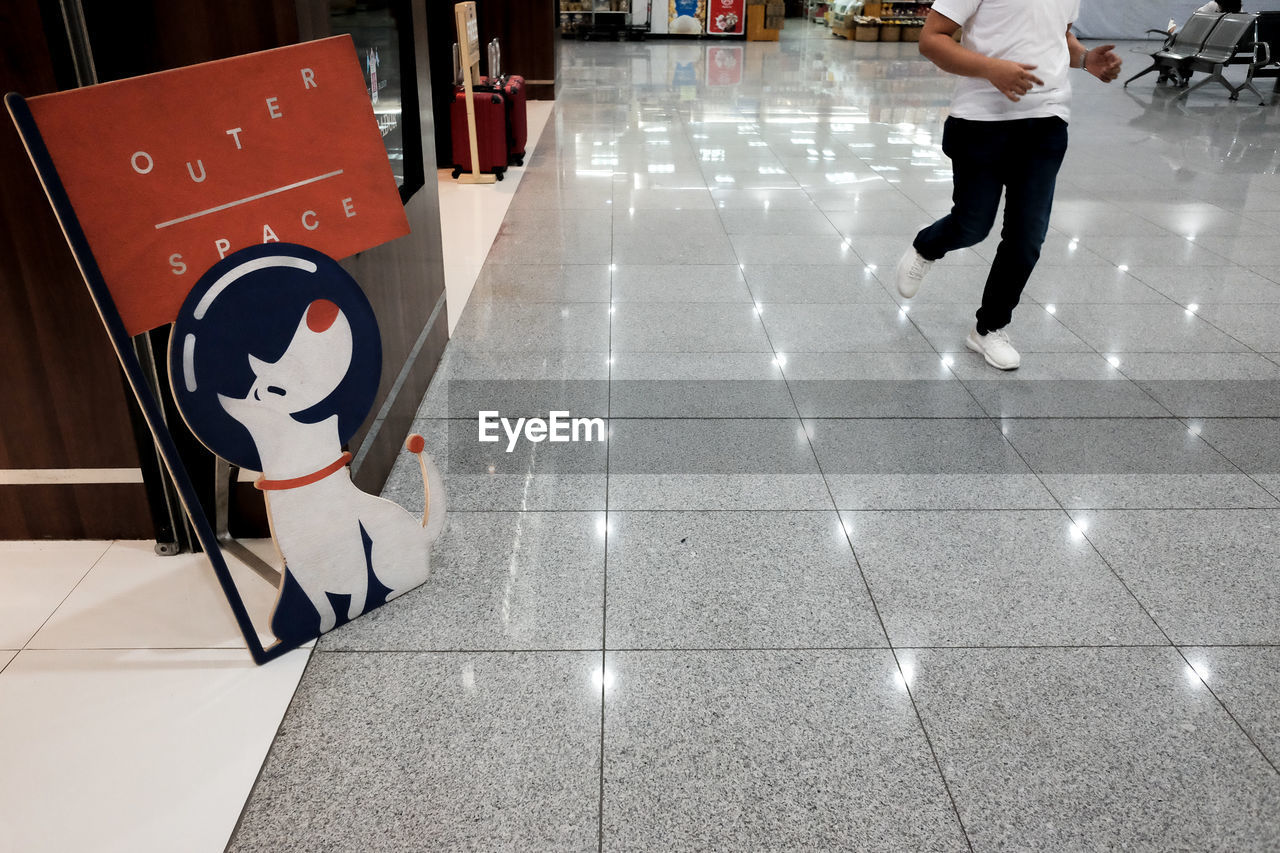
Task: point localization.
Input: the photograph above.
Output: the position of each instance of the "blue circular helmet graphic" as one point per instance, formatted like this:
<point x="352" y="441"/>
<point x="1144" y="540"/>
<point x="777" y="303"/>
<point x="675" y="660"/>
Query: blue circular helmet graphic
<point x="269" y="332"/>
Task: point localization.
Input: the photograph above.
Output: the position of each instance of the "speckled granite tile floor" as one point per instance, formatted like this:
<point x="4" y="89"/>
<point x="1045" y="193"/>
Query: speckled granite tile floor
<point x="830" y="583"/>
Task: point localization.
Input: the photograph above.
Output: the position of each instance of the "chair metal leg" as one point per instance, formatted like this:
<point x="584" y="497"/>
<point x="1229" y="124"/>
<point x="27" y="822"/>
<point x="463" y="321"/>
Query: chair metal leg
<point x="1216" y="76"/>
<point x="1154" y="67"/>
<point x="1248" y="84"/>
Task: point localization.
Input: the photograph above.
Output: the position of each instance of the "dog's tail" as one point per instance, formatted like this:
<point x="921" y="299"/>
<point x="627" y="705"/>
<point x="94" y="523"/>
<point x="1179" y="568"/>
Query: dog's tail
<point x="432" y="485"/>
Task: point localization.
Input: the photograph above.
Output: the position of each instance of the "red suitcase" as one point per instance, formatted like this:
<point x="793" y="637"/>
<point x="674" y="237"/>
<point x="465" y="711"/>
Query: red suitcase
<point x="517" y="118"/>
<point x="491" y="132"/>
<point x="512" y="88"/>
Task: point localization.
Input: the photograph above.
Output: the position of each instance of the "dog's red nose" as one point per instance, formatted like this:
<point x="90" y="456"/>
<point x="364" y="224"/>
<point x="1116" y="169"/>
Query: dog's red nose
<point x="320" y="315"/>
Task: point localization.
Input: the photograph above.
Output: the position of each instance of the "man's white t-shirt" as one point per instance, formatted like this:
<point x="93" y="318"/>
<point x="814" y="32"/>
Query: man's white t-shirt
<point x="1029" y="31"/>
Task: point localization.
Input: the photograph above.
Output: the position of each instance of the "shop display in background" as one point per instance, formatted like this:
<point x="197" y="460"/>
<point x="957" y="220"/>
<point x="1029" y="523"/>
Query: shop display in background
<point x="727" y="17"/>
<point x="880" y="21"/>
<point x="587" y="18"/>
<point x="375" y="32"/>
<point x="841" y="17"/>
<point x="818" y="12"/>
<point x="775" y="14"/>
<point x="765" y="19"/>
<point x="687" y="17"/>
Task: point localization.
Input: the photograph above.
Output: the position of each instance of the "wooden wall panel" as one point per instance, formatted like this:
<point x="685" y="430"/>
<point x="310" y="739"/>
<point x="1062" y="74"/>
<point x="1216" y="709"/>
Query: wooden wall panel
<point x="132" y="37"/>
<point x="62" y="396"/>
<point x="84" y="511"/>
<point x="528" y="31"/>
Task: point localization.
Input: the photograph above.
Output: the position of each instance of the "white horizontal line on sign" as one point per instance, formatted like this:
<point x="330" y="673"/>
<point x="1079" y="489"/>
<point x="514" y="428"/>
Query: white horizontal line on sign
<point x="248" y="199"/>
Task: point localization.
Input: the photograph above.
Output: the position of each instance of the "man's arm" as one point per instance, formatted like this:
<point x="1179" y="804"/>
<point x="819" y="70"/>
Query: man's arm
<point x="1013" y="79"/>
<point x="1102" y="62"/>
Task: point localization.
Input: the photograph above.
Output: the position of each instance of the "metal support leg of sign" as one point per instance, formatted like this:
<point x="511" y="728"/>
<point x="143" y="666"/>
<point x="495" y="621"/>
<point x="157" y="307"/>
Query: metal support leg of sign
<point x="150" y="406"/>
<point x="224" y="480"/>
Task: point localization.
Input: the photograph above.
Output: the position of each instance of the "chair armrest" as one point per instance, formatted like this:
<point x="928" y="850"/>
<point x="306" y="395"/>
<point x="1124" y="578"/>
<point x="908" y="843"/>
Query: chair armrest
<point x="1265" y="49"/>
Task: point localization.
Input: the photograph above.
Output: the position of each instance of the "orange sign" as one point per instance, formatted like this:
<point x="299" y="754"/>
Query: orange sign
<point x="170" y="172"/>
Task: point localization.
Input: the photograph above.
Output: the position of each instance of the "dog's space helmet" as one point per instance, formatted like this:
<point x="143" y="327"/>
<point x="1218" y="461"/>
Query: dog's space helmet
<point x="244" y="312"/>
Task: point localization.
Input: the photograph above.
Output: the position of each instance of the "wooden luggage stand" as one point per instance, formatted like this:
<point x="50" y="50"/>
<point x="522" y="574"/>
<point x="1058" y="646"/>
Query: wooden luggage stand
<point x="469" y="46"/>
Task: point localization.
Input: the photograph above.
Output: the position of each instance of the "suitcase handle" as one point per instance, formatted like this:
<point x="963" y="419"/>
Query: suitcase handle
<point x="495" y="60"/>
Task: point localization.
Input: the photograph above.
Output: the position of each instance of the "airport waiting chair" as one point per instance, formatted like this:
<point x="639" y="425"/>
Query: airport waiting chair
<point x="1225" y="42"/>
<point x="1179" y="49"/>
<point x="1266" y="52"/>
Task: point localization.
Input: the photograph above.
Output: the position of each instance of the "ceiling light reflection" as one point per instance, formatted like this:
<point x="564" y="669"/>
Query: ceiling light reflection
<point x="905" y="674"/>
<point x="1197" y="671"/>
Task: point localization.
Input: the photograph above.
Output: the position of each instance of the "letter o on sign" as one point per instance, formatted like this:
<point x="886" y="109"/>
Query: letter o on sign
<point x="142" y="156"/>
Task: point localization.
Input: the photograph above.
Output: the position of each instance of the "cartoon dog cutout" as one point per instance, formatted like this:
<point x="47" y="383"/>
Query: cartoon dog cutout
<point x="274" y="360"/>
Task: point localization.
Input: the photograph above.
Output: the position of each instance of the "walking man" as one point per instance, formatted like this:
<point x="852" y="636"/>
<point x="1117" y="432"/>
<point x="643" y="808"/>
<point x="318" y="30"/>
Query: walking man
<point x="1007" y="133"/>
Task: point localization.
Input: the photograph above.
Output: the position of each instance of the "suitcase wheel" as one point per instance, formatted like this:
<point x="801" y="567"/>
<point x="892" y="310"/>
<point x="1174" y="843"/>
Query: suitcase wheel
<point x="456" y="173"/>
<point x="501" y="175"/>
<point x="520" y="160"/>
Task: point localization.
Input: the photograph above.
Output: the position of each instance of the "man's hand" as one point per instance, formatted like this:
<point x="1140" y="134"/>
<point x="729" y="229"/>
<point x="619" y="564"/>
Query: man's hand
<point x="1013" y="79"/>
<point x="1103" y="63"/>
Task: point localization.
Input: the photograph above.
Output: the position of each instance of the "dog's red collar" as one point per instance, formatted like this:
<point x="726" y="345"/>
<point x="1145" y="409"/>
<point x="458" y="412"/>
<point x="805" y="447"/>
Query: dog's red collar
<point x="263" y="484"/>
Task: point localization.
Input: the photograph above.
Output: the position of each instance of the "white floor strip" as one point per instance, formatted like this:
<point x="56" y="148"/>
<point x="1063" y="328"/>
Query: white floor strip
<point x="471" y="214"/>
<point x="127" y="699"/>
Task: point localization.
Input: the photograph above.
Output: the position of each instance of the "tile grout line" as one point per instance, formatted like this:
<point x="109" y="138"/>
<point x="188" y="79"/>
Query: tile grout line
<point x="863" y="648"/>
<point x="111" y="543"/>
<point x="995" y="421"/>
<point x="1184" y="420"/>
<point x="1096" y="550"/>
<point x="1178" y="649"/>
<point x="853" y="551"/>
<point x="955" y="808"/>
<point x="604" y="591"/>
<point x="1142" y="606"/>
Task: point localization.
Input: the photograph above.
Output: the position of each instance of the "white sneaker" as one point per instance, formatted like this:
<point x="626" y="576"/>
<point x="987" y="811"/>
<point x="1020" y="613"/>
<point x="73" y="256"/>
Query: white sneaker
<point x="911" y="271"/>
<point x="995" y="348"/>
